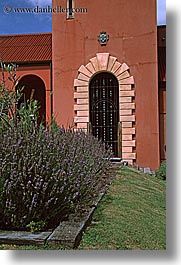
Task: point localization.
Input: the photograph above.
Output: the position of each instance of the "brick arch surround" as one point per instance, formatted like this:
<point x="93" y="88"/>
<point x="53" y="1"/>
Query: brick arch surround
<point x="106" y="62"/>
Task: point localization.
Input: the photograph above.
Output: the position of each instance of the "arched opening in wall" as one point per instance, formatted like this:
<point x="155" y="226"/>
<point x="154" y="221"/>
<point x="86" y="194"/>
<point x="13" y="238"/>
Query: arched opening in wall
<point x="34" y="87"/>
<point x="104" y="109"/>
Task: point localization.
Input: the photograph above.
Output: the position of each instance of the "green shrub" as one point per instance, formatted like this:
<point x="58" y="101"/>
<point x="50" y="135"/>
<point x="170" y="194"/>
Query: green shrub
<point x="45" y="173"/>
<point x="161" y="172"/>
<point x="48" y="174"/>
<point x="10" y="111"/>
<point x="36" y="226"/>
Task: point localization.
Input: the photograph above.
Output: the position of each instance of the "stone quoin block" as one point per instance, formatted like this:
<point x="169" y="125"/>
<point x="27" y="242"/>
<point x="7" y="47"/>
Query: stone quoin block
<point x="116" y="66"/>
<point x="81" y="107"/>
<point x="129" y="143"/>
<point x="81" y="119"/>
<point x="80" y="83"/>
<point x="128" y="156"/>
<point x="111" y="63"/>
<point x="125" y="87"/>
<point x="90" y="67"/>
<point x="102" y="59"/>
<point x="127" y="106"/>
<point x="128" y="130"/>
<point x="83" y="77"/>
<point x="124" y="67"/>
<point x="123" y="75"/>
<point x="127" y="124"/>
<point x="127" y="81"/>
<point x="125" y="99"/>
<point x="95" y="63"/>
<point x="80" y="95"/>
<point x="126" y="112"/>
<point x="127" y="118"/>
<point x="84" y="71"/>
<point x="127" y="137"/>
<point x="130" y="93"/>
<point x="82" y="113"/>
<point x="127" y="149"/>
<point x="82" y="101"/>
<point x="82" y="89"/>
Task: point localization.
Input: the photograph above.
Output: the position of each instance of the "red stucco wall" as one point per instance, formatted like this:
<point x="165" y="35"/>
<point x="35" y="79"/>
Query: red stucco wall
<point x="132" y="30"/>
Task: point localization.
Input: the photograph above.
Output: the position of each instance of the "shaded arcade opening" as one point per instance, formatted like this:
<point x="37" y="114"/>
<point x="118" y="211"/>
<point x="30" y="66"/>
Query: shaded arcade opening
<point x="34" y="88"/>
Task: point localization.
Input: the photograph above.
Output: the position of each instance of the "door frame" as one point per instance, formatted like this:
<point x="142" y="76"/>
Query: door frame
<point x="106" y="62"/>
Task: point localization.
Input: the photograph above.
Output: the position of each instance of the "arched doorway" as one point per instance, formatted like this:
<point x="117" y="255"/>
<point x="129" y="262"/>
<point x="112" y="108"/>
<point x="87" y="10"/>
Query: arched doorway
<point x="34" y="87"/>
<point x="104" y="109"/>
<point x="105" y="63"/>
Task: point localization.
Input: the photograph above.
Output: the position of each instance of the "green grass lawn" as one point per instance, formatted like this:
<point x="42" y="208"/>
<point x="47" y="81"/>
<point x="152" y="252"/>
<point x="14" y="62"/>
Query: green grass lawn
<point x="132" y="215"/>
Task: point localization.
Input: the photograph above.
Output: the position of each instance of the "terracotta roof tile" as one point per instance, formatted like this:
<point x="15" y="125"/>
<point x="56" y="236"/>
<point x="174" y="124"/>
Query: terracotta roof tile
<point x="26" y="47"/>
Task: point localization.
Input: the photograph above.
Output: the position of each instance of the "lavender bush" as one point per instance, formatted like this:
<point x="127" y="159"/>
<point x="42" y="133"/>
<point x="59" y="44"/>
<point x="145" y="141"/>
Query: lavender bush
<point x="46" y="173"/>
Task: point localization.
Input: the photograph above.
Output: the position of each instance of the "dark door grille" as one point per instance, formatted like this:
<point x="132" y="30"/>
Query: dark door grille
<point x="104" y="109"/>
